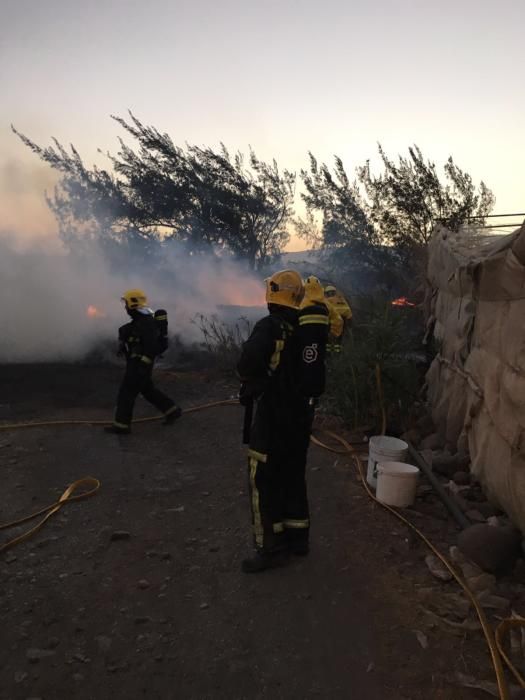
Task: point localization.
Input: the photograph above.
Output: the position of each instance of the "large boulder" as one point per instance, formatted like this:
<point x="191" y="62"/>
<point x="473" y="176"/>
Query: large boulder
<point x="494" y="549"/>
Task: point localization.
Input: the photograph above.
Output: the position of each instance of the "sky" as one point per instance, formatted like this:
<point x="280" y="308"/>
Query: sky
<point x="284" y="76"/>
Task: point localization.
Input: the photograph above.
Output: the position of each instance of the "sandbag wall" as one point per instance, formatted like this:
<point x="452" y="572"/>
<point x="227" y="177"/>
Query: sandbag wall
<point x="476" y="383"/>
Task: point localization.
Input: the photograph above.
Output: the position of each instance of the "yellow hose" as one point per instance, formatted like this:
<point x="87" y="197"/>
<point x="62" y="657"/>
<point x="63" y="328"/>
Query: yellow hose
<point x="495" y="643"/>
<point x="94" y="484"/>
<point x="48" y="423"/>
<point x="89" y="481"/>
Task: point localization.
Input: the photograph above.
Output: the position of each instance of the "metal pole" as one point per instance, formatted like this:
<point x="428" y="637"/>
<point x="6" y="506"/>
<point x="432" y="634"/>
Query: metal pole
<point x="450" y="504"/>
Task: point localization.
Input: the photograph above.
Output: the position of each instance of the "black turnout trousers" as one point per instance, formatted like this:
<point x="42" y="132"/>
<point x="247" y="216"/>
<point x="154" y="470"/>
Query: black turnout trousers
<point x="138" y="380"/>
<point x="277" y="461"/>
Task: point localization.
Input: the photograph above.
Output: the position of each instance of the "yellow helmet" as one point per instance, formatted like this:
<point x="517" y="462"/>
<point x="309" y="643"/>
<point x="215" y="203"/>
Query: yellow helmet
<point x="330" y="291"/>
<point x="313" y="289"/>
<point x="134" y="299"/>
<point x="285" y="288"/>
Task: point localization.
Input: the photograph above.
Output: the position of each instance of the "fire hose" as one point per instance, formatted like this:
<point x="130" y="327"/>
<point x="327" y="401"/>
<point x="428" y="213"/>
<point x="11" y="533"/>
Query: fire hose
<point x="495" y="641"/>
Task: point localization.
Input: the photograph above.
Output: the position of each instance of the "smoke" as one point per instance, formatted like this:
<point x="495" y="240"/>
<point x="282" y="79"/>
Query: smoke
<point x="48" y="295"/>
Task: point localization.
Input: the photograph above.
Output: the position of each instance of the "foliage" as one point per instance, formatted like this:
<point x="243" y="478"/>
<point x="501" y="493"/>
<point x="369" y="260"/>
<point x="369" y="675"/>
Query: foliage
<point x="387" y="338"/>
<point x="381" y="225"/>
<point x="221" y="340"/>
<point x="197" y="195"/>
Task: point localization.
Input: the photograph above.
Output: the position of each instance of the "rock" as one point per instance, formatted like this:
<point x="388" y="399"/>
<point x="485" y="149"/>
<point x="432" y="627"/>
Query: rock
<point x="120" y="535"/>
<point x="425" y="424"/>
<point x="461" y="478"/>
<point x="431" y="442"/>
<point x="35" y="655"/>
<point x="471" y="570"/>
<point x="456" y="555"/>
<point x="104" y="643"/>
<point x="143" y="584"/>
<point x="21" y="676"/>
<point x="486" y="509"/>
<point x="494" y="549"/>
<point x="494" y="602"/>
<point x="475" y="516"/>
<point x="437" y="568"/>
<point x="483" y="582"/>
<point x="204" y="606"/>
<point x="445" y="464"/>
<point x="411" y="436"/>
<point x="422" y="639"/>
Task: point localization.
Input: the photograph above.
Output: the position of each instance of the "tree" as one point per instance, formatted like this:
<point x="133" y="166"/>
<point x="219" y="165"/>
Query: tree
<point x="384" y="223"/>
<point x="160" y="191"/>
<point x="408" y="199"/>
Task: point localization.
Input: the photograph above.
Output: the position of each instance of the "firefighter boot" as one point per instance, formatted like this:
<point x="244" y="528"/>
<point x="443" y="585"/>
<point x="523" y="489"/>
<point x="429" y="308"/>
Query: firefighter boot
<point x="263" y="560"/>
<point x="297" y="541"/>
<point x="172" y="414"/>
<point x="117" y="429"/>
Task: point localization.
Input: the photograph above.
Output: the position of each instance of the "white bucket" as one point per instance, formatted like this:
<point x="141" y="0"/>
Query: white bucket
<point x="396" y="483"/>
<point x="382" y="448"/>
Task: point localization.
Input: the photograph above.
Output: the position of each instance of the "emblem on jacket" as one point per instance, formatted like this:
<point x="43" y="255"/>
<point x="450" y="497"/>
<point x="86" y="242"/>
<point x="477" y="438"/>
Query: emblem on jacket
<point x="310" y="353"/>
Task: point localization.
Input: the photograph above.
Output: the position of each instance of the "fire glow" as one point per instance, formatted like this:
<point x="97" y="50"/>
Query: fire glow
<point x="93" y="312"/>
<point x="402" y="301"/>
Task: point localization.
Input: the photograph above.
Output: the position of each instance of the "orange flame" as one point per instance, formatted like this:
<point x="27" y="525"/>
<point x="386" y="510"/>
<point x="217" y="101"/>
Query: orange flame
<point x="93" y="312"/>
<point x="402" y="301"/>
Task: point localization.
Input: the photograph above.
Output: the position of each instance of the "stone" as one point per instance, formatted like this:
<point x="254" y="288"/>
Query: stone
<point x="204" y="606"/>
<point x="494" y="549"/>
<point x="475" y="516"/>
<point x="104" y="643"/>
<point x="437" y="568"/>
<point x="411" y="436"/>
<point x="482" y="582"/>
<point x="493" y="602"/>
<point x="486" y="509"/>
<point x="461" y="478"/>
<point x="21" y="676"/>
<point x="35" y="655"/>
<point x="143" y="584"/>
<point x="422" y="639"/>
<point x="119" y="535"/>
<point x="431" y="442"/>
<point x="445" y="464"/>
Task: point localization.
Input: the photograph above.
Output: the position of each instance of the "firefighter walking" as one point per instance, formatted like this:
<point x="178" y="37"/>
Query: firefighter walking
<point x="140" y="342"/>
<point x="336" y="300"/>
<point x="282" y="371"/>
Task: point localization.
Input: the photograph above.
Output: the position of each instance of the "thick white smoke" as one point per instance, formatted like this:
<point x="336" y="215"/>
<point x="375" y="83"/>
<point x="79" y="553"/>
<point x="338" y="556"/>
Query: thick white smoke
<point x="48" y="294"/>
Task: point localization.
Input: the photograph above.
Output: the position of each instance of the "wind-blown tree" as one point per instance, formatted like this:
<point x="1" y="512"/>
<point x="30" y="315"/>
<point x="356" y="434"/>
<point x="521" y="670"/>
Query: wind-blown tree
<point x="408" y="199"/>
<point x="385" y="222"/>
<point x="159" y="191"/>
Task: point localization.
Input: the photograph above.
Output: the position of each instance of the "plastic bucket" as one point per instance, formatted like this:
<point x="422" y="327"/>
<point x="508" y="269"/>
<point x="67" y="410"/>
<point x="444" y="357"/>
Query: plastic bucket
<point x="396" y="483"/>
<point x="382" y="448"/>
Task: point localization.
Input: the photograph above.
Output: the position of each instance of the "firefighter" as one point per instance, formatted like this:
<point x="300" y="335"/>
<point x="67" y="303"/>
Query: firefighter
<point x="337" y="300"/>
<point x="282" y="370"/>
<point x="140" y="341"/>
<point x="314" y="293"/>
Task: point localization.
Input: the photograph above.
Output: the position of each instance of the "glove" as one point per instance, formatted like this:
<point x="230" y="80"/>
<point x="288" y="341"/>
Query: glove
<point x="245" y="395"/>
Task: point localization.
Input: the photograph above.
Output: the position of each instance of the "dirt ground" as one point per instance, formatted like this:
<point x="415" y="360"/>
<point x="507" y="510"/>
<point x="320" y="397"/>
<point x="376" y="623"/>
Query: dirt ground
<point x="165" y="612"/>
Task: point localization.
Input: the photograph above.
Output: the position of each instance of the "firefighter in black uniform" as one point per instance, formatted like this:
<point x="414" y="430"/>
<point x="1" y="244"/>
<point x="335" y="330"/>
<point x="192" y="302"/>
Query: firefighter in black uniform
<point x="140" y="342"/>
<point x="282" y="369"/>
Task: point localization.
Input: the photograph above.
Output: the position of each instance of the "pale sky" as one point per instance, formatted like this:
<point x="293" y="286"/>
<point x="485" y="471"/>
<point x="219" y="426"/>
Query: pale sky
<point x="284" y="76"/>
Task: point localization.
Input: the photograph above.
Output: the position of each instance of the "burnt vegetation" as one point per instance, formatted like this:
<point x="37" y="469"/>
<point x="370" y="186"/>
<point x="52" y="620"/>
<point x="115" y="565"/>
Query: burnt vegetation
<point x="155" y="193"/>
<point x="370" y="233"/>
